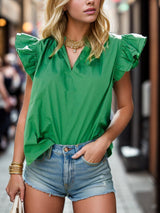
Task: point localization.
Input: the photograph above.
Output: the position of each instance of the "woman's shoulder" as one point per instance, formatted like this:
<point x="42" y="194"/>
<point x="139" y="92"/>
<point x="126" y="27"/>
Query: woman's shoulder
<point x="128" y="52"/>
<point x="24" y="39"/>
<point x="127" y="44"/>
<point x="117" y="36"/>
<point x="114" y="36"/>
<point x="132" y="38"/>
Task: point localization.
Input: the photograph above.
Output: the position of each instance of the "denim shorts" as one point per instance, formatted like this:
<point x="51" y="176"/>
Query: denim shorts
<point x="56" y="173"/>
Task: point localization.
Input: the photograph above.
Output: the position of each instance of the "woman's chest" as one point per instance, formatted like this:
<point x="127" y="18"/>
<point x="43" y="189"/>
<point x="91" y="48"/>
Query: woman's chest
<point x="72" y="56"/>
<point x="58" y="73"/>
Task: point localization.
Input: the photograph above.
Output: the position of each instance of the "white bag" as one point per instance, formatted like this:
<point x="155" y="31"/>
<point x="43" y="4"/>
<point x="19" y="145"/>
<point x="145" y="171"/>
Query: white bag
<point x="18" y="206"/>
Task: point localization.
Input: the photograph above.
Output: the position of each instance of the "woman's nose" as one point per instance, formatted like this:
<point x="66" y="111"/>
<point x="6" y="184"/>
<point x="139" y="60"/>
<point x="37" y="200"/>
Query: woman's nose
<point x="90" y="1"/>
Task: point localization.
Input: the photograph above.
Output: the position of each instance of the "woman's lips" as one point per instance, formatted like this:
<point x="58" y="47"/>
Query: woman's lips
<point x="90" y="11"/>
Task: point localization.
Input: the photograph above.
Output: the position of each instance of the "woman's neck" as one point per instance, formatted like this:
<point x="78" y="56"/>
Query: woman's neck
<point x="76" y="31"/>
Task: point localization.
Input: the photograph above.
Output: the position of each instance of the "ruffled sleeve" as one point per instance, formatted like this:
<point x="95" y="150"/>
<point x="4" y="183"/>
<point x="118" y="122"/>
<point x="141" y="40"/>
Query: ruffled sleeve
<point x="27" y="49"/>
<point x="128" y="53"/>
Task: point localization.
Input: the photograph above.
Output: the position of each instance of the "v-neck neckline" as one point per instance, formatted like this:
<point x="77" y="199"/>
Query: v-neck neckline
<point x="67" y="57"/>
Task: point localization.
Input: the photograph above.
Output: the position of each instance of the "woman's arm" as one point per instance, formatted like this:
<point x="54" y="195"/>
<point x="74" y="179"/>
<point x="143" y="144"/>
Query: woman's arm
<point x="18" y="155"/>
<point x="16" y="183"/>
<point x="125" y="107"/>
<point x="93" y="152"/>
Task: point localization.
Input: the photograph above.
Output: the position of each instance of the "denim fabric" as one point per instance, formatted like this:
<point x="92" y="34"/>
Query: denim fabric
<point x="56" y="173"/>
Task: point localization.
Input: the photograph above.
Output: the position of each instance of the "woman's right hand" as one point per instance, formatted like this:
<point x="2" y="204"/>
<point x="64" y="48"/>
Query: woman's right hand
<point x="15" y="186"/>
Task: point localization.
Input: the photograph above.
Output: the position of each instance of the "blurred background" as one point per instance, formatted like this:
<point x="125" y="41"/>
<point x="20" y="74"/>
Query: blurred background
<point x="136" y="158"/>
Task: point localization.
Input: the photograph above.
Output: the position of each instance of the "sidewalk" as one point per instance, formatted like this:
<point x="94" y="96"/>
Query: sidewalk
<point x="134" y="191"/>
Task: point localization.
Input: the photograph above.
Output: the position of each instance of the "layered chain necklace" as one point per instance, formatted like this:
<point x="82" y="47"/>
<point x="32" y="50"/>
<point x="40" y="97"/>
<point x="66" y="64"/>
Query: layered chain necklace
<point x="74" y="44"/>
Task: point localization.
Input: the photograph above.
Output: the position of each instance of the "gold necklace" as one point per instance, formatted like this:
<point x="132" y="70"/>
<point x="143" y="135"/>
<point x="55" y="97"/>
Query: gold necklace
<point x="74" y="44"/>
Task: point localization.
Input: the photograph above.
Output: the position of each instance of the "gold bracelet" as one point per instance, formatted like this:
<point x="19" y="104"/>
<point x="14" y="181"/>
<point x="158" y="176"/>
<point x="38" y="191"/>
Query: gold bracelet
<point x="16" y="168"/>
<point x="16" y="163"/>
<point x="16" y="173"/>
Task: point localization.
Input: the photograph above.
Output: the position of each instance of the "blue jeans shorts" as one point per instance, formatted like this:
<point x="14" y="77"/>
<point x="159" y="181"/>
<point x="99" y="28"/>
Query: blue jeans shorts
<point x="56" y="173"/>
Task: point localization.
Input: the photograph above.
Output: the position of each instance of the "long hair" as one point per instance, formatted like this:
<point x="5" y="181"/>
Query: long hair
<point x="56" y="23"/>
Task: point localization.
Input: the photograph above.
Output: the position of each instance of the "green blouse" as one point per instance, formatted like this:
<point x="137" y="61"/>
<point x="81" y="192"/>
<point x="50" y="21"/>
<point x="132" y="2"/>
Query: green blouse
<point x="69" y="106"/>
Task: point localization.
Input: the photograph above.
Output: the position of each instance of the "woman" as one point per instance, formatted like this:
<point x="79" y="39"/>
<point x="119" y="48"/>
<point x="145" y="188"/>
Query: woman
<point x="64" y="131"/>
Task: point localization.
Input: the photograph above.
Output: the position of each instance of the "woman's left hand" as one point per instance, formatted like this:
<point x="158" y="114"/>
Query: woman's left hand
<point x="93" y="152"/>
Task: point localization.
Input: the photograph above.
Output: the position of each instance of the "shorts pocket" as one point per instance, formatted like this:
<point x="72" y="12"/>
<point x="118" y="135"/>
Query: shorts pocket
<point x="94" y="164"/>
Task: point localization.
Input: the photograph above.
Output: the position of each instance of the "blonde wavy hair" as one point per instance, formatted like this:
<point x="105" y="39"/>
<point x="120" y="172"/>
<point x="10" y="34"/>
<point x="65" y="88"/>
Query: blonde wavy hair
<point x="56" y="22"/>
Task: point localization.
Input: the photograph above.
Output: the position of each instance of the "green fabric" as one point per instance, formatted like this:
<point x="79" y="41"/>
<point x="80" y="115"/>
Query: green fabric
<point x="70" y="106"/>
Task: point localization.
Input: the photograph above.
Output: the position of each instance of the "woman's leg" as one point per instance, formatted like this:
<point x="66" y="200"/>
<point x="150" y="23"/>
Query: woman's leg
<point x="101" y="203"/>
<point x="41" y="202"/>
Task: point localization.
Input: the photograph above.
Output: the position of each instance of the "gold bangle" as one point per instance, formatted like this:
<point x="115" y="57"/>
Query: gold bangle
<point x="16" y="173"/>
<point x="16" y="168"/>
<point x="12" y="170"/>
<point x="16" y="163"/>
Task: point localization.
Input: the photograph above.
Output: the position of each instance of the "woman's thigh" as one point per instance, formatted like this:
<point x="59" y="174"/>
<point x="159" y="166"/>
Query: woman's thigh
<point x="41" y="202"/>
<point x="101" y="203"/>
